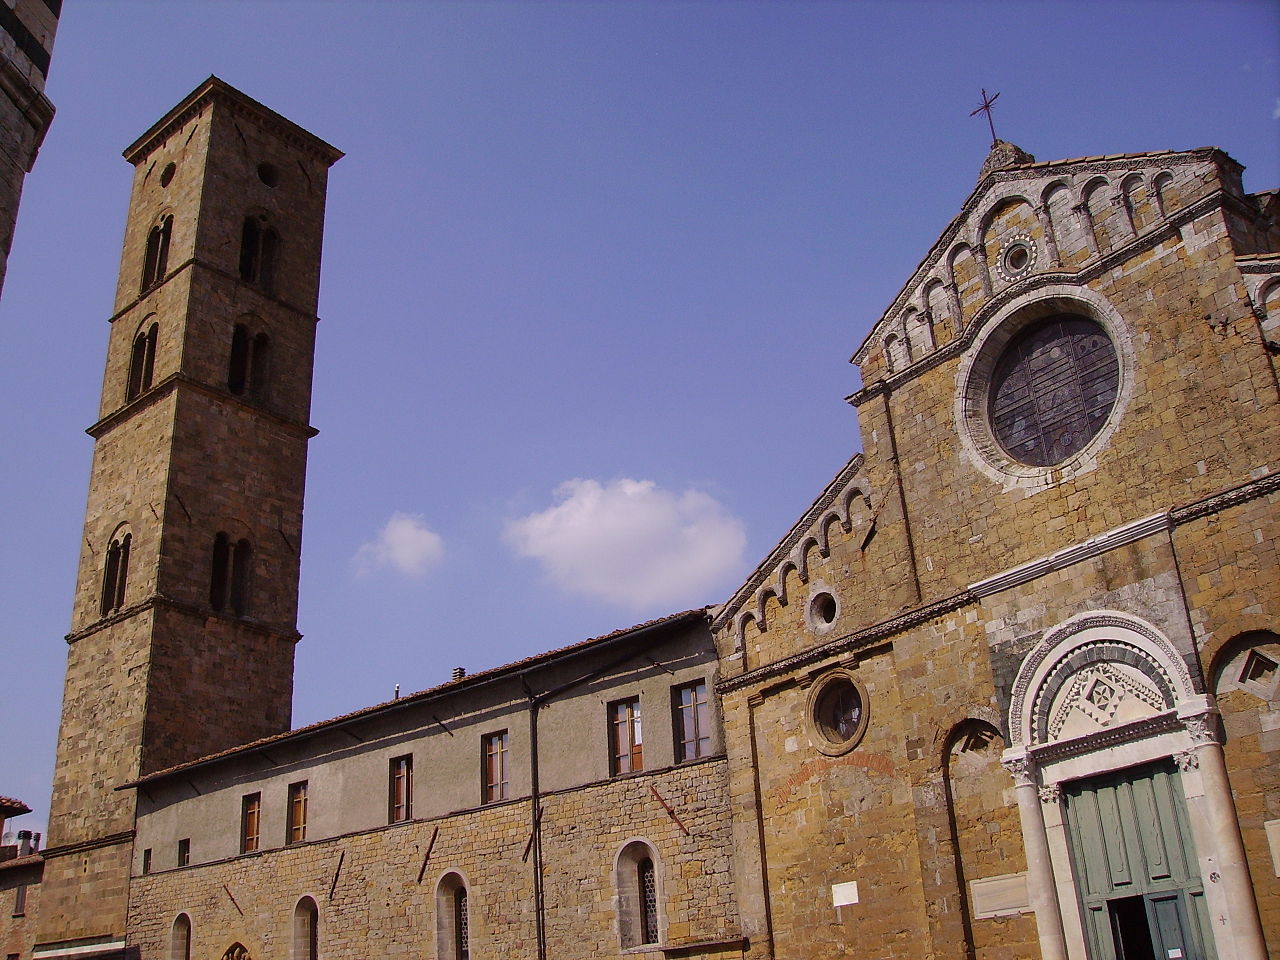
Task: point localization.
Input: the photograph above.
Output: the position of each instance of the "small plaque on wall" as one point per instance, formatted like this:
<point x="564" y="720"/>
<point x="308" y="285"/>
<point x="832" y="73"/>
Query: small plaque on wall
<point x="999" y="896"/>
<point x="843" y="894"/>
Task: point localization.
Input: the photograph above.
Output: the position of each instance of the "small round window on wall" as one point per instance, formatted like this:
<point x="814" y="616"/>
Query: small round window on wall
<point x="1053" y="389"/>
<point x="837" y="713"/>
<point x="822" y="610"/>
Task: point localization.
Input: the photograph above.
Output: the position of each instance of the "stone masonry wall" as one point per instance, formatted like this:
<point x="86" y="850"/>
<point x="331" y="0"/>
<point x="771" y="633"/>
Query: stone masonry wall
<point x="376" y="890"/>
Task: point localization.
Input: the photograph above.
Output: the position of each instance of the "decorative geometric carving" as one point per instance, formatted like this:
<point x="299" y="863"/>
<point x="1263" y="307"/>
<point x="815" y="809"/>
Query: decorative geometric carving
<point x="1187" y="760"/>
<point x="1137" y="636"/>
<point x="1101" y="695"/>
<point x="1051" y="793"/>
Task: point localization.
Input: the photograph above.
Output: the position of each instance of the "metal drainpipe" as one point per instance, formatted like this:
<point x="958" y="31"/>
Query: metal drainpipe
<point x="535" y="824"/>
<point x="536" y="702"/>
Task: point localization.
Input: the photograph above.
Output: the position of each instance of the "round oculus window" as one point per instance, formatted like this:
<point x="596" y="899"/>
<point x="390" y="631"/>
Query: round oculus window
<point x="1052" y="389"/>
<point x="838" y="713"/>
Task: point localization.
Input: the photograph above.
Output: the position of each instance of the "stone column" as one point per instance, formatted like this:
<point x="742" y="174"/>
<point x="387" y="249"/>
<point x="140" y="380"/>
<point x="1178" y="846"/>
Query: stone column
<point x="1042" y="890"/>
<point x="1244" y="924"/>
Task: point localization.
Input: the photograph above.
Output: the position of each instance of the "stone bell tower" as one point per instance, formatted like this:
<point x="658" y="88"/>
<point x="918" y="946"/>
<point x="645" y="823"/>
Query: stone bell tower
<point x="184" y="621"/>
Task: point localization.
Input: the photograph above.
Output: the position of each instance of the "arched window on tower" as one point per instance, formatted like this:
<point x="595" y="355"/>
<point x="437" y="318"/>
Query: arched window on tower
<point x="306" y="930"/>
<point x="639" y="920"/>
<point x="231" y="575"/>
<point x="453" y="923"/>
<point x="250" y="368"/>
<point x="259" y="244"/>
<point x="180" y="938"/>
<point x="155" y="261"/>
<point x="142" y="361"/>
<point x="115" y="573"/>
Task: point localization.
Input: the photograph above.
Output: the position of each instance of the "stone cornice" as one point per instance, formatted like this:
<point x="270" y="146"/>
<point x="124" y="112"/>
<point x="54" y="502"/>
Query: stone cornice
<point x="1013" y="577"/>
<point x="1166" y="722"/>
<point x="215" y="90"/>
<point x="853" y="641"/>
<point x="67" y="849"/>
<point x="1070" y="556"/>
<point x="1089" y="273"/>
<point x="170" y="384"/>
<point x="36" y="108"/>
<point x="204" y="613"/>
<point x="193" y="262"/>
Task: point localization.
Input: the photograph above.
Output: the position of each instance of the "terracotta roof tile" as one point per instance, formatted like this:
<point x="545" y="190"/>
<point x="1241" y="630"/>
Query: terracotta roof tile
<point x="12" y="808"/>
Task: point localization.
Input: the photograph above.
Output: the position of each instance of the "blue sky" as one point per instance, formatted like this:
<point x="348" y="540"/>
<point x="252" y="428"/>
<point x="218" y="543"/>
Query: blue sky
<point x="593" y="273"/>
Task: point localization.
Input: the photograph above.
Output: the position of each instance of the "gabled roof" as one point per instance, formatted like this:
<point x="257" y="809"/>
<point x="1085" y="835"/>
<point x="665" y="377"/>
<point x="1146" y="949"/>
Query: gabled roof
<point x="783" y="548"/>
<point x="684" y="618"/>
<point x="997" y="172"/>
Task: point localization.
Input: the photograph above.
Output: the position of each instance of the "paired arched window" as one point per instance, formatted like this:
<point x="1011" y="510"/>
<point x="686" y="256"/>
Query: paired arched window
<point x="453" y="925"/>
<point x="156" y="259"/>
<point x="259" y="245"/>
<point x="142" y="361"/>
<point x="250" y="366"/>
<point x="115" y="573"/>
<point x="639" y="919"/>
<point x="306" y="930"/>
<point x="180" y="938"/>
<point x="232" y="571"/>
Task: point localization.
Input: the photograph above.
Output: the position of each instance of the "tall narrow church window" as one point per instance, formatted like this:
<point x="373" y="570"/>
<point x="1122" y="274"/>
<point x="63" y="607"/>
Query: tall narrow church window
<point x="453" y="921"/>
<point x="238" y="371"/>
<point x="260" y="366"/>
<point x="180" y="938"/>
<point x="626" y="749"/>
<point x="647" y="885"/>
<point x="156" y="259"/>
<point x="639" y="919"/>
<point x="230" y="577"/>
<point x="297" y="813"/>
<point x="258" y="248"/>
<point x="142" y="361"/>
<point x="250" y="367"/>
<point x="461" y="925"/>
<point x="221" y="572"/>
<point x="241" y="567"/>
<point x="306" y="930"/>
<point x="116" y="574"/>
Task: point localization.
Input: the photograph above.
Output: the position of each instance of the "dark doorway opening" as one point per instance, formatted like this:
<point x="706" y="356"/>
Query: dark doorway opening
<point x="1130" y="930"/>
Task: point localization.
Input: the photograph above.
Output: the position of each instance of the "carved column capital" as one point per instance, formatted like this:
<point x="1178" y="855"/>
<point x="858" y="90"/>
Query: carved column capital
<point x="1202" y="728"/>
<point x="1051" y="793"/>
<point x="1187" y="760"/>
<point x="1022" y="770"/>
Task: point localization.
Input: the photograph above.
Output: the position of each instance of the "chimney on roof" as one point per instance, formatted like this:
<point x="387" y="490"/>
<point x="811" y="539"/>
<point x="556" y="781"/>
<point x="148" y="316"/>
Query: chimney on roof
<point x="459" y="673"/>
<point x="25" y="845"/>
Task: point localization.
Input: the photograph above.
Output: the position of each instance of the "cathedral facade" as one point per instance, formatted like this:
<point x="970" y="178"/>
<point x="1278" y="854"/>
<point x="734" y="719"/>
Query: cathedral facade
<point x="1009" y="688"/>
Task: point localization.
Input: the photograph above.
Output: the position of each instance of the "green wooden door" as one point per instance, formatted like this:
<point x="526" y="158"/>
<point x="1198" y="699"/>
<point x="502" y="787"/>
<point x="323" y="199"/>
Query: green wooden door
<point x="1135" y="867"/>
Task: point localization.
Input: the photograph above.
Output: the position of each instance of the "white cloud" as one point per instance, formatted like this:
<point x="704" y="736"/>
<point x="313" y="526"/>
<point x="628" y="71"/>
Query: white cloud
<point x="632" y="543"/>
<point x="406" y="544"/>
